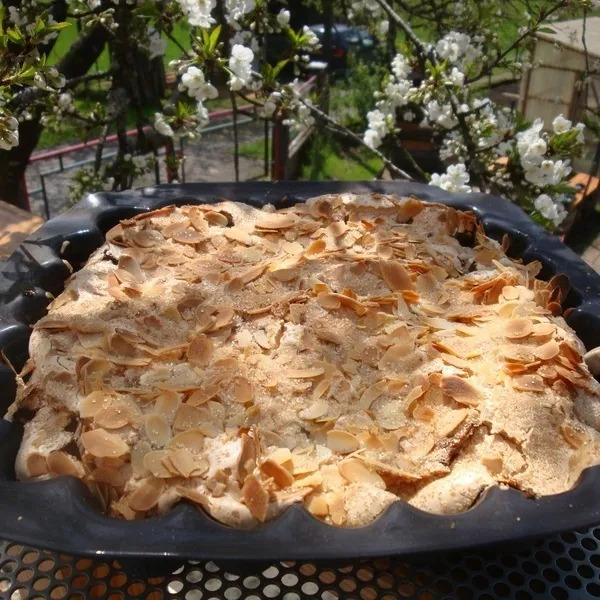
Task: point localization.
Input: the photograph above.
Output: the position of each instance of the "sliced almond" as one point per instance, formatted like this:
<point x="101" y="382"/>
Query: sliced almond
<point x="147" y="494"/>
<point x="451" y="421"/>
<point x="36" y="464"/>
<point x="314" y="411"/>
<point x="276" y="221"/>
<point x="184" y="461"/>
<point x="460" y="390"/>
<point x="320" y="389"/>
<point x="256" y="498"/>
<point x="342" y="442"/>
<point x="316" y="504"/>
<point x="329" y="301"/>
<point x="543" y="329"/>
<point x="310" y="373"/>
<point x="316" y="247"/>
<point x="154" y="462"/>
<point x="167" y="404"/>
<point x="395" y="275"/>
<point x="200" y="350"/>
<point x="113" y="417"/>
<point x="282" y="477"/>
<point x="529" y="383"/>
<point x="547" y="351"/>
<point x="108" y="475"/>
<point x="216" y="218"/>
<point x="518" y="328"/>
<point x="192" y="439"/>
<point x="371" y="394"/>
<point x="455" y="361"/>
<point x="356" y="471"/>
<point x="102" y="444"/>
<point x="243" y="391"/>
<point x="157" y="429"/>
<point x="394" y="354"/>
<point x="137" y="458"/>
<point x="335" y="503"/>
<point x="93" y="403"/>
<point x="61" y="463"/>
<point x="194" y="496"/>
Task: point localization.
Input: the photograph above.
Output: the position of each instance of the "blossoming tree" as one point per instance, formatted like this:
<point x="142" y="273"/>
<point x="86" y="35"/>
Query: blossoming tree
<point x="440" y="83"/>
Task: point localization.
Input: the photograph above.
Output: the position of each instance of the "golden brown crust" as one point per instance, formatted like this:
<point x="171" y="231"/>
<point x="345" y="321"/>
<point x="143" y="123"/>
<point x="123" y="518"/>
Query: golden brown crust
<point x="343" y="353"/>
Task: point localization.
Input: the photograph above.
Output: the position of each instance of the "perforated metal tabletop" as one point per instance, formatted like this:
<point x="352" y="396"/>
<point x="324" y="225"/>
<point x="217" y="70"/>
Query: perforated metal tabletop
<point x="563" y="566"/>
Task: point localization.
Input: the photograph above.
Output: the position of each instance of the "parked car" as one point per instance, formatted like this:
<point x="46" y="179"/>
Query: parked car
<point x="346" y="41"/>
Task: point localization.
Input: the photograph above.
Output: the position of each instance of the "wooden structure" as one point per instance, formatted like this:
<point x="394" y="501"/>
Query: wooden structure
<point x="557" y="86"/>
<point x="17" y="224"/>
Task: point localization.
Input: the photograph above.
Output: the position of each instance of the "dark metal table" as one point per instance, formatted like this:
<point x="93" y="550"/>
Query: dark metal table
<point x="564" y="566"/>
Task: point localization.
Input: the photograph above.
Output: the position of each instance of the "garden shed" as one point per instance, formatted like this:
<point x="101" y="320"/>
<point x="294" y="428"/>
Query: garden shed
<point x="556" y="86"/>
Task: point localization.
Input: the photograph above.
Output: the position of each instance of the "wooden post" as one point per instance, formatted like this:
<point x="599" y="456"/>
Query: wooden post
<point x="280" y="148"/>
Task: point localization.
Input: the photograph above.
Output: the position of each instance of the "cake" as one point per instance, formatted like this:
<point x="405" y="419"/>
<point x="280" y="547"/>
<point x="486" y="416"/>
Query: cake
<point x="343" y="354"/>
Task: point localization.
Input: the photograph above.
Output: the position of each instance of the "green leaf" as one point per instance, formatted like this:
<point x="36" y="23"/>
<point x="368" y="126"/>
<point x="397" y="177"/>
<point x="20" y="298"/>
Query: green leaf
<point x="214" y="37"/>
<point x="546" y="30"/>
<point x="278" y="67"/>
<point x="14" y="35"/>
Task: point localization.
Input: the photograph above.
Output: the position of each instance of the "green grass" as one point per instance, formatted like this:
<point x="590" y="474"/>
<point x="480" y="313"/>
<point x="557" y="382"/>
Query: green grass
<point x="254" y="149"/>
<point x="328" y="159"/>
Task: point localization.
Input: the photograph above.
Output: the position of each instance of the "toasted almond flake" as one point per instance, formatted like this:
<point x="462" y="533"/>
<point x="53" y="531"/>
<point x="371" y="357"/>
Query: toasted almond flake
<point x="147" y="238"/>
<point x="192" y="440"/>
<point x="153" y="461"/>
<point x="137" y="458"/>
<point x="188" y="417"/>
<point x="423" y="413"/>
<point x="281" y="455"/>
<point x="276" y="221"/>
<point x="313" y="480"/>
<point x="451" y="421"/>
<point x="518" y="328"/>
<point x="102" y="444"/>
<point x="571" y="353"/>
<point x="394" y="354"/>
<point x="316" y="247"/>
<point x="243" y="391"/>
<point x="316" y="504"/>
<point x="200" y="350"/>
<point x="395" y="275"/>
<point x="576" y="438"/>
<point x="547" y="351"/>
<point x="371" y="394"/>
<point x="223" y="318"/>
<point x="189" y="236"/>
<point x="510" y="292"/>
<point x="184" y="461"/>
<point x="337" y="229"/>
<point x="356" y="471"/>
<point x="109" y="475"/>
<point x="320" y="389"/>
<point x="193" y="495"/>
<point x="147" y="494"/>
<point x="328" y="301"/>
<point x="238" y="235"/>
<point x="282" y="477"/>
<point x="36" y="464"/>
<point x="255" y="497"/>
<point x="93" y="403"/>
<point x="113" y="417"/>
<point x="167" y="404"/>
<point x="454" y="361"/>
<point x="493" y="463"/>
<point x="310" y="373"/>
<point x="130" y="265"/>
<point x="316" y="410"/>
<point x="460" y="390"/>
<point x="543" y="329"/>
<point x="157" y="429"/>
<point x="61" y="463"/>
<point x="529" y="383"/>
<point x="216" y="218"/>
<point x="252" y="273"/>
<point x="342" y="442"/>
<point x="335" y="503"/>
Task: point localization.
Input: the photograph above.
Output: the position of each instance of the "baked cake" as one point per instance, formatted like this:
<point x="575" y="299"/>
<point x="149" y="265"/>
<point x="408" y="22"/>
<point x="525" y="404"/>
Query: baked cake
<point x="343" y="354"/>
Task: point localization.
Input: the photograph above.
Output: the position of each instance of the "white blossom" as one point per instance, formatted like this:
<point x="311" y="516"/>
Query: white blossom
<point x="283" y="17"/>
<point x="9" y="132"/>
<point x="240" y="65"/>
<point x="549" y="209"/>
<point x="161" y="125"/>
<point x="197" y="87"/>
<point x="455" y="179"/>
<point x="157" y="46"/>
<point x="198" y="12"/>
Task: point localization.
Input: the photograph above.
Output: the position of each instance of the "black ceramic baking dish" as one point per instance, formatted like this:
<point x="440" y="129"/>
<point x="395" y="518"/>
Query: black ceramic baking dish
<point x="61" y="515"/>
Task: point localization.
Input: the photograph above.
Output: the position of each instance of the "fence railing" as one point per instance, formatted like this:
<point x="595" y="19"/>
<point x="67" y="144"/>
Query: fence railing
<point x="283" y="157"/>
